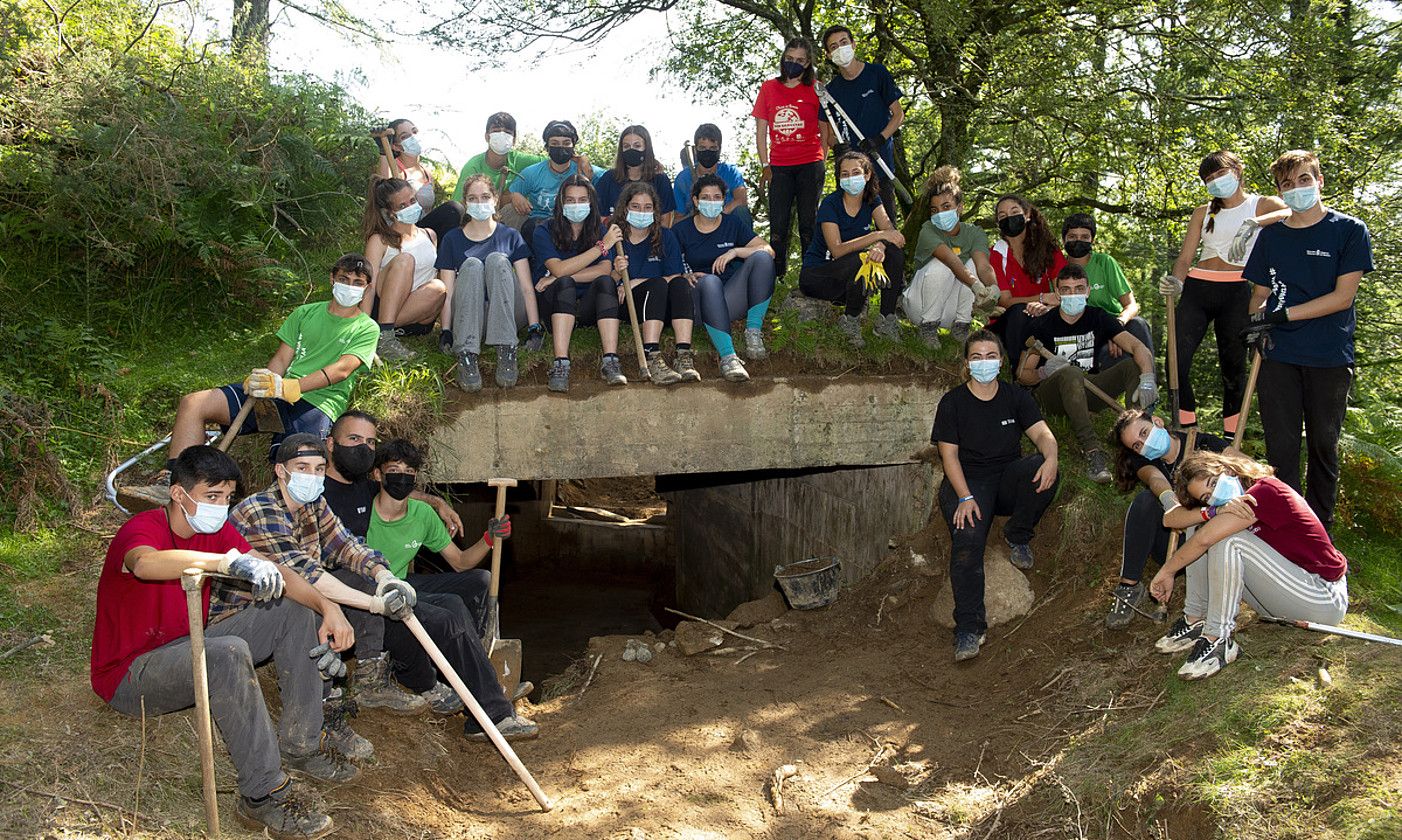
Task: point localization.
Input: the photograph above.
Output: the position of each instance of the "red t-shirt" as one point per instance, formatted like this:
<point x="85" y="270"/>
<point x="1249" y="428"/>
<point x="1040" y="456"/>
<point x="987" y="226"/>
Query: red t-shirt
<point x="137" y="616"/>
<point x="1014" y="278"/>
<point x="1285" y="522"/>
<point x="792" y="114"/>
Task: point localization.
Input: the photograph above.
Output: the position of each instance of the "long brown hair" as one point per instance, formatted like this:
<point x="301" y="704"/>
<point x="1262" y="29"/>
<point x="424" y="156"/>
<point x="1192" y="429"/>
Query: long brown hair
<point x="589" y="229"/>
<point x="801" y="43"/>
<point x="1220" y="159"/>
<point x="1126" y="478"/>
<point x="620" y="213"/>
<point x="1205" y="464"/>
<point x="378" y="217"/>
<point x="871" y="193"/>
<point x="650" y="166"/>
<point x="1039" y="249"/>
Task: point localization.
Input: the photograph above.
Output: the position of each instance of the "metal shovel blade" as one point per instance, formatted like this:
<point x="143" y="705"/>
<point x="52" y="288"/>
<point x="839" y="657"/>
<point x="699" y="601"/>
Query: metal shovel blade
<point x="506" y="661"/>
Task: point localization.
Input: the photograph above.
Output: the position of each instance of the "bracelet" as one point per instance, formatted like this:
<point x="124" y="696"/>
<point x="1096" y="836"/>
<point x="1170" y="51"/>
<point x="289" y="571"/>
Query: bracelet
<point x="964" y="499"/>
<point x="328" y="377"/>
<point x="602" y="250"/>
<point x="1209" y="512"/>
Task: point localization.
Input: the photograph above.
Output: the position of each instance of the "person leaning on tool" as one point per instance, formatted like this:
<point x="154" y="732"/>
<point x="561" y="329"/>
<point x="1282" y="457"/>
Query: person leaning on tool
<point x="1260" y="542"/>
<point x="141" y="648"/>
<point x="866" y="93"/>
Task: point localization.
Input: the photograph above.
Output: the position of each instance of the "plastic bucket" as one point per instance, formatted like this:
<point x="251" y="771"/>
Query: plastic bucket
<point x="809" y="584"/>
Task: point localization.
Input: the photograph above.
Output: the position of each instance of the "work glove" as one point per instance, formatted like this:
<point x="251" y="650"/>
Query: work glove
<point x="1148" y="392"/>
<point x="1257" y="334"/>
<point x="1168" y="500"/>
<point x="872" y="275"/>
<point x="1051" y="366"/>
<point x="262" y="575"/>
<point x="1236" y="254"/>
<point x="870" y="146"/>
<point x="1170" y="286"/>
<point x="535" y="336"/>
<point x="393" y="597"/>
<point x="497" y="529"/>
<point x="985" y="297"/>
<point x="265" y="384"/>
<point x="328" y="661"/>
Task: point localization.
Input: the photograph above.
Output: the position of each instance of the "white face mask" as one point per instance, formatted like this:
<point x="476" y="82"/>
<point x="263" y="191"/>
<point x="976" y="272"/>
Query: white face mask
<point x="346" y="294"/>
<point x="481" y="210"/>
<point x="207" y="518"/>
<point x="411" y="145"/>
<point x="305" y="488"/>
<point x="500" y="142"/>
<point x="843" y="55"/>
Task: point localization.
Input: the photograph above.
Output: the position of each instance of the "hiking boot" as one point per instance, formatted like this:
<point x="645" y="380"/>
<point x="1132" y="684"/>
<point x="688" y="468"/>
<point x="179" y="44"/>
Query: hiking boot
<point x="375" y="688"/>
<point x="754" y="344"/>
<point x="1127" y="596"/>
<point x="535" y="337"/>
<point x="390" y="349"/>
<point x="559" y="379"/>
<point x="322" y="764"/>
<point x="1098" y="467"/>
<point x="285" y="814"/>
<point x="1180" y="637"/>
<point x="930" y="334"/>
<point x="443" y="700"/>
<point x="469" y="374"/>
<point x="960" y="331"/>
<point x="733" y="370"/>
<point x="445" y="342"/>
<point x="611" y="371"/>
<point x="659" y="372"/>
<point x="1020" y="555"/>
<point x="506" y="366"/>
<point x="686" y="366"/>
<point x="851" y="326"/>
<point x="966" y="645"/>
<point x="336" y="733"/>
<point x="889" y="327"/>
<point x="514" y="728"/>
<point x="1209" y="657"/>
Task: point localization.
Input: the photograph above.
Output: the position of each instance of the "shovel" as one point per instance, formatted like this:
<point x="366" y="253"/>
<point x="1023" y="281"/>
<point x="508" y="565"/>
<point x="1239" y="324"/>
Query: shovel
<point x="504" y="653"/>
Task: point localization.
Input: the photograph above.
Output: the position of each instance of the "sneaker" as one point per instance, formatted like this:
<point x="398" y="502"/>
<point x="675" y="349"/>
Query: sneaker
<point x="611" y="371"/>
<point x="1126" y="598"/>
<point x="322" y="764"/>
<point x="686" y="366"/>
<point x="1209" y="657"/>
<point x="733" y="370"/>
<point x="659" y="372"/>
<point x="966" y="645"/>
<point x="375" y="688"/>
<point x="960" y="331"/>
<point x="535" y="337"/>
<point x="443" y="700"/>
<point x="390" y="349"/>
<point x="506" y="366"/>
<point x="469" y="374"/>
<point x="850" y="326"/>
<point x="1020" y="555"/>
<point x="1098" y="467"/>
<point x="754" y="344"/>
<point x="445" y="342"/>
<point x="1180" y="637"/>
<point x="559" y="380"/>
<point x="337" y="735"/>
<point x="523" y="688"/>
<point x="286" y="813"/>
<point x="930" y="334"/>
<point x="889" y="327"/>
<point x="514" y="728"/>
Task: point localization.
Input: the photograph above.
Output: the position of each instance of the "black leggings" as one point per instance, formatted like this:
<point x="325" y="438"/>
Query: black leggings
<point x="836" y="280"/>
<point x="793" y="187"/>
<point x="658" y="300"/>
<point x="1224" y="305"/>
<point x="443" y="218"/>
<point x="1145" y="536"/>
<point x="598" y="303"/>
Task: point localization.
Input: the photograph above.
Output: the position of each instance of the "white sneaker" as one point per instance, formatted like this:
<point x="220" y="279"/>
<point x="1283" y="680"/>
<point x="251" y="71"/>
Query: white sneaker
<point x="1182" y="636"/>
<point x="733" y="370"/>
<point x="1209" y="657"/>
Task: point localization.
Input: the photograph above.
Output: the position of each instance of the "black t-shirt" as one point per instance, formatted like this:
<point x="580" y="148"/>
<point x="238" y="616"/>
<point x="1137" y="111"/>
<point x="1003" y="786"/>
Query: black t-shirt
<point x="1077" y="343"/>
<point x="351" y="502"/>
<point x="988" y="433"/>
<point x="1204" y="443"/>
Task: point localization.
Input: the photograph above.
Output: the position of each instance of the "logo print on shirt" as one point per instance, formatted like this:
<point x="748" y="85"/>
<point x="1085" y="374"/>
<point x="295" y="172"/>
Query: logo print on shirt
<point x="1277" y="291"/>
<point x="787" y="120"/>
<point x="1317" y="253"/>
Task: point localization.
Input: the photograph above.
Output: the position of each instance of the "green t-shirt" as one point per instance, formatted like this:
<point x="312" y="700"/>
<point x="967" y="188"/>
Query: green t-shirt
<point x="964" y="242"/>
<point x="399" y="540"/>
<point x="317" y="339"/>
<point x="1107" y="282"/>
<point x="515" y="162"/>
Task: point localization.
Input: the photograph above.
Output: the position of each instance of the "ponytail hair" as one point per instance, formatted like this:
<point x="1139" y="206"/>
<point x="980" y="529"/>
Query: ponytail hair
<point x="378" y="217"/>
<point x="1039" y="249"/>
<point x="1220" y="159"/>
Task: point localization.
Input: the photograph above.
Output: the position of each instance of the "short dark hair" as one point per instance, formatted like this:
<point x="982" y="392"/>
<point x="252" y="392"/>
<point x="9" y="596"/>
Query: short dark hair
<point x="400" y="450"/>
<point x="352" y="264"/>
<point x="707" y="131"/>
<point x="831" y="31"/>
<point x="299" y="445"/>
<point x="559" y="128"/>
<point x="204" y="463"/>
<point x="354" y="414"/>
<point x="706" y="181"/>
<point x="1071" y="271"/>
<point x="502" y="120"/>
<point x="1078" y="220"/>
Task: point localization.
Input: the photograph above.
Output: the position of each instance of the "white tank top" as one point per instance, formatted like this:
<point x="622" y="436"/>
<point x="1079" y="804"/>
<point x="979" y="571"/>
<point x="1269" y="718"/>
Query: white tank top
<point x="424" y="254"/>
<point x="1216" y="242"/>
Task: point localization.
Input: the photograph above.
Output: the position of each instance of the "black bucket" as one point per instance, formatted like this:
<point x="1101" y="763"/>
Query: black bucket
<point x="809" y="584"/>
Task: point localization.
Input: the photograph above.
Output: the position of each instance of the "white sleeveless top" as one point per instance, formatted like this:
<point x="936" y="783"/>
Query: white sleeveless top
<point x="424" y="254"/>
<point x="1216" y="242"/>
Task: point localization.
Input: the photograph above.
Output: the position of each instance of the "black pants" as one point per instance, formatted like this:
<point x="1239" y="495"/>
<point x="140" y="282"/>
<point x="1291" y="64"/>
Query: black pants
<point x="836" y="280"/>
<point x="1008" y="493"/>
<point x="1013" y="327"/>
<point x="658" y="300"/>
<point x="790" y="188"/>
<point x="1295" y="395"/>
<point x="1145" y="536"/>
<point x="1224" y="306"/>
<point x="471" y="586"/>
<point x="443" y="218"/>
<point x="598" y="303"/>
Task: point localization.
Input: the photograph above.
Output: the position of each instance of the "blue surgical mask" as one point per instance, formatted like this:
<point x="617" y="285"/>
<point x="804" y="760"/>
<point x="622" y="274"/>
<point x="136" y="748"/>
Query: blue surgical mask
<point x="305" y="488"/>
<point x="946" y="220"/>
<point x="985" y="370"/>
<point x="207" y="518"/>
<point x="412" y="145"/>
<point x="853" y="184"/>
<point x="1224" y="186"/>
<point x="409" y="215"/>
<point x="1073" y="305"/>
<point x="1301" y="199"/>
<point x="710" y="208"/>
<point x="576" y="213"/>
<point x="1228" y="487"/>
<point x="1156" y="444"/>
<point x="480" y="210"/>
<point x="639" y="219"/>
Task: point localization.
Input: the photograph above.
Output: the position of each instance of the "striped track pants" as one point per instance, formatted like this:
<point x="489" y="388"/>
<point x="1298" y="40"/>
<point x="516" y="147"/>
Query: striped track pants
<point x="1244" y="567"/>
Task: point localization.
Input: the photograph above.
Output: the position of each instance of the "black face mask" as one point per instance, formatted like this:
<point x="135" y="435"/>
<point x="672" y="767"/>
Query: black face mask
<point x="353" y="461"/>
<point x="561" y="155"/>
<point x="1012" y="225"/>
<point x="790" y="69"/>
<point x="399" y="485"/>
<point x="708" y="157"/>
<point x="1078" y="248"/>
<point x="632" y="157"/>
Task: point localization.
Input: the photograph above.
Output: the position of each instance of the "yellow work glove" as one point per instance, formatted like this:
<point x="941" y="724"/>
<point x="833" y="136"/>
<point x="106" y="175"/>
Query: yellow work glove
<point x="264" y="384"/>
<point x="872" y="275"/>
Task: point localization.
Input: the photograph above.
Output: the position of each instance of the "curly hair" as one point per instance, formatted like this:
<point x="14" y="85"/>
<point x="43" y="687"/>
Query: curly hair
<point x="1207" y="464"/>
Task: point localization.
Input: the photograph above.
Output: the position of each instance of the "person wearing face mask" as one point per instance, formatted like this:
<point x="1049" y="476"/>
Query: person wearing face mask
<point x="952" y="271"/>
<point x="1257" y="541"/>
<point x="1074" y="333"/>
<point x="652" y="259"/>
<point x="634" y="162"/>
<point x="707" y="145"/>
<point x="140" y="662"/>
<point x="789" y="142"/>
<point x="868" y="94"/>
<point x="501" y="162"/>
<point x="539" y="183"/>
<point x="733" y="275"/>
<point x="978" y="429"/>
<point x="1211" y="291"/>
<point x="1305" y="273"/>
<point x="405" y="294"/>
<point x="405" y="162"/>
<point x="1025" y="261"/>
<point x="854" y="230"/>
<point x="1109" y="289"/>
<point x="1147" y="456"/>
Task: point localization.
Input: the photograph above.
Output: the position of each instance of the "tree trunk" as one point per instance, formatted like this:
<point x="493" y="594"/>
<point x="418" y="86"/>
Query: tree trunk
<point x="250" y="30"/>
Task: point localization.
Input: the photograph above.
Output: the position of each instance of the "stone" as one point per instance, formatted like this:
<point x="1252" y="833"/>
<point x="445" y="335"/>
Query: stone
<point x="760" y="611"/>
<point x="810" y="309"/>
<point x="1006" y="593"/>
<point x="693" y="637"/>
<point x="746" y="741"/>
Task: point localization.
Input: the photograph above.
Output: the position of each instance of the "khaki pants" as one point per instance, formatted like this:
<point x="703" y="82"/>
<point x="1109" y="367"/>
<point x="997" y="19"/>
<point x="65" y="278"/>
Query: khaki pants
<point x="1064" y="393"/>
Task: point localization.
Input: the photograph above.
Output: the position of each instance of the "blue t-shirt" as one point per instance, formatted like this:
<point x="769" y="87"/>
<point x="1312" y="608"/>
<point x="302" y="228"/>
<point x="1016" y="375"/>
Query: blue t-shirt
<point x="540" y="185"/>
<point x="543" y="248"/>
<point x="727" y="172"/>
<point x="848" y="227"/>
<point x="456" y="247"/>
<point x="1301" y="264"/>
<point x="867" y="99"/>
<point x="609" y="190"/>
<point x="700" y="250"/>
<point x="645" y="265"/>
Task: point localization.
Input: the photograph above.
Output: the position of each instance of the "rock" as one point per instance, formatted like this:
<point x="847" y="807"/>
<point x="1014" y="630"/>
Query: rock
<point x="810" y="309"/>
<point x="761" y="611"/>
<point x="643" y="653"/>
<point x="1006" y="592"/>
<point x="890" y="776"/>
<point x="693" y="637"/>
<point x="630" y="653"/>
<point x="746" y="741"/>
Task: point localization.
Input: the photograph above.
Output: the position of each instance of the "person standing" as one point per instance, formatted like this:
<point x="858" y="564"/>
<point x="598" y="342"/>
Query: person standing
<point x="502" y="162"/>
<point x="868" y="94"/>
<point x="789" y="142"/>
